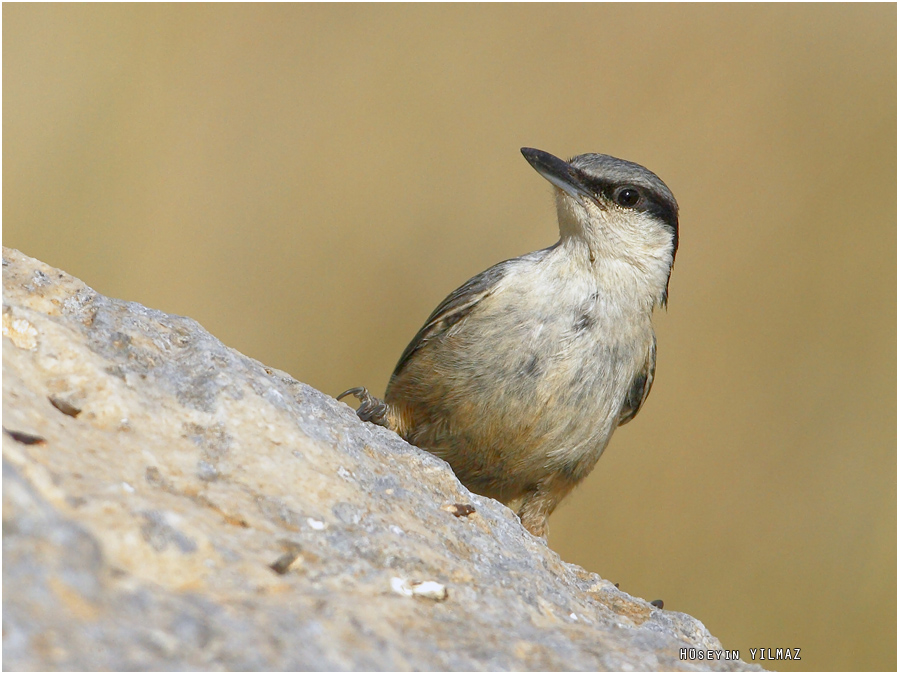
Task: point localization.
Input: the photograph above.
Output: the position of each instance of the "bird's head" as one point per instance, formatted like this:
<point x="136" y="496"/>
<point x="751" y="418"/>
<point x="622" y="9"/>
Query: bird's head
<point x="621" y="211"/>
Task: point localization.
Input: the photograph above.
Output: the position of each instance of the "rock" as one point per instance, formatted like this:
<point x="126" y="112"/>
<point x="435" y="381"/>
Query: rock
<point x="172" y="504"/>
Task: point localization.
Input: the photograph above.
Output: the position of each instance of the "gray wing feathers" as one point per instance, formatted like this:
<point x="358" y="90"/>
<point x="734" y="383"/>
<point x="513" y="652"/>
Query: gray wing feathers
<point x="454" y="308"/>
<point x="639" y="389"/>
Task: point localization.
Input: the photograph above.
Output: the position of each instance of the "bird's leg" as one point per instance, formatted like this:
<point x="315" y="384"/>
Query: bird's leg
<point x="539" y="503"/>
<point x="370" y="409"/>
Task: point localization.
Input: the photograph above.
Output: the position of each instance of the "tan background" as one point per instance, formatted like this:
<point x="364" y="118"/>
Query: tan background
<point x="310" y="181"/>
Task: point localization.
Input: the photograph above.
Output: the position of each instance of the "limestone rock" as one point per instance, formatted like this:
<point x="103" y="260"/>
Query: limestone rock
<point x="171" y="504"/>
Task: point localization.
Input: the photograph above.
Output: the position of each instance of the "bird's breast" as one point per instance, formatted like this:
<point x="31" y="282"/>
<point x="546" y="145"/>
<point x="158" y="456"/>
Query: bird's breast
<point x="533" y="379"/>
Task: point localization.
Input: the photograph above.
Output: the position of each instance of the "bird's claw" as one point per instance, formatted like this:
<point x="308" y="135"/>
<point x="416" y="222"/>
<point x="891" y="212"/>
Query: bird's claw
<point x="370" y="408"/>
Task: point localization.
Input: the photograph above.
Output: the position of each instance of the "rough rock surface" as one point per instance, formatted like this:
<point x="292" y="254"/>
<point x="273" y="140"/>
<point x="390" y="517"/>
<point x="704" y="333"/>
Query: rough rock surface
<point x="171" y="504"/>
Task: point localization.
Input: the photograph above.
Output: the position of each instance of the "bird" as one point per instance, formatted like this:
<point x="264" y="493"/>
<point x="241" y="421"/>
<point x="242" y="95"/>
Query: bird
<point x="519" y="378"/>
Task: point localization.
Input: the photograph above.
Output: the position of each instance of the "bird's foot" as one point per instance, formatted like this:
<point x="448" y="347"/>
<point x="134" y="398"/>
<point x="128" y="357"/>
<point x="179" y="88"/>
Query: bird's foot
<point x="538" y="504"/>
<point x="370" y="409"/>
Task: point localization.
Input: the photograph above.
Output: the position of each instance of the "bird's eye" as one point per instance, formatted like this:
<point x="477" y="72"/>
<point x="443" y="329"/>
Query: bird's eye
<point x="627" y="197"/>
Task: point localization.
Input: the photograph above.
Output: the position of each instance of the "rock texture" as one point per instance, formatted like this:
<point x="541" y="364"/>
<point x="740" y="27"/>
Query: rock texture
<point x="171" y="504"/>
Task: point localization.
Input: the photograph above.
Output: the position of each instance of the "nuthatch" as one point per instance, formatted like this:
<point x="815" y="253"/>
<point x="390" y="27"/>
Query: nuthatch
<point x="519" y="378"/>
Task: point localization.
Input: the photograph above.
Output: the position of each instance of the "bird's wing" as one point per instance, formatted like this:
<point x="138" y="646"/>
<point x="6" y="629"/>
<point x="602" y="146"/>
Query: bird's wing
<point x="454" y="308"/>
<point x="639" y="388"/>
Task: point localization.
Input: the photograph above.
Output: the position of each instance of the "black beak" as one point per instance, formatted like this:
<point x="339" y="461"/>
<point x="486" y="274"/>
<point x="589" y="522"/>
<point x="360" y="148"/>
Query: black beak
<point x="560" y="173"/>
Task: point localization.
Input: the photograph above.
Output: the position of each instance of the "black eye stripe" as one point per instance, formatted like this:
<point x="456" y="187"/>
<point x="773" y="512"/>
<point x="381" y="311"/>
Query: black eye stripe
<point x="604" y="175"/>
<point x="650" y="201"/>
<point x="613" y="191"/>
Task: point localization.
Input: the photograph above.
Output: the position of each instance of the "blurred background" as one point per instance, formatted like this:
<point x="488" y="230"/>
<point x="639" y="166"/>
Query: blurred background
<point x="308" y="182"/>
